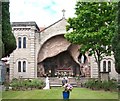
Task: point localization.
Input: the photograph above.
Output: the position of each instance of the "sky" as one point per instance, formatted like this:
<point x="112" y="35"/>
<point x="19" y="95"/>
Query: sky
<point x="43" y="12"/>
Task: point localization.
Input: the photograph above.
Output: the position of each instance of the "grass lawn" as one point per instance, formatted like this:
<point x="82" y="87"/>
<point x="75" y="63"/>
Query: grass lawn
<point x="56" y="93"/>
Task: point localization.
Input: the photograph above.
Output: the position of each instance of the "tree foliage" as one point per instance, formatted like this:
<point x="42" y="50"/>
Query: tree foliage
<point x="93" y="28"/>
<point x="1" y="43"/>
<point x="116" y="42"/>
<point x="7" y="35"/>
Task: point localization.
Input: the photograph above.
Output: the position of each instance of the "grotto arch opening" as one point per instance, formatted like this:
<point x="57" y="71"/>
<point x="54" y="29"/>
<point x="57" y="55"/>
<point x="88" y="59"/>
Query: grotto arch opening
<point x="60" y="65"/>
<point x="57" y="56"/>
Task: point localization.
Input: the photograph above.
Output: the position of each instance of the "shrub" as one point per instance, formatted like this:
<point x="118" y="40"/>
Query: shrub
<point x="110" y="85"/>
<point x="105" y="85"/>
<point x="25" y="84"/>
<point x="98" y="85"/>
<point x="113" y="85"/>
<point x="15" y="84"/>
<point x="90" y="83"/>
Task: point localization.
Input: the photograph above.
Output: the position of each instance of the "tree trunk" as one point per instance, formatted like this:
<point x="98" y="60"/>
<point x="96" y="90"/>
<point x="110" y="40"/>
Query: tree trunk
<point x="99" y="76"/>
<point x="98" y="62"/>
<point x="119" y="83"/>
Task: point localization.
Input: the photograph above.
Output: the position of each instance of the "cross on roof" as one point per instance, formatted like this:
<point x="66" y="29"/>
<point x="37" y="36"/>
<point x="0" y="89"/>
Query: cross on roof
<point x="63" y="13"/>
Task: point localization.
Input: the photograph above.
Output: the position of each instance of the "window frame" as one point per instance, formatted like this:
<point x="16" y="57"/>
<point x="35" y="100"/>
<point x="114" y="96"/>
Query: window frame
<point x="19" y="66"/>
<point x="24" y="42"/>
<point x="24" y="66"/>
<point x="104" y="66"/>
<point x="109" y="66"/>
<point x="19" y="42"/>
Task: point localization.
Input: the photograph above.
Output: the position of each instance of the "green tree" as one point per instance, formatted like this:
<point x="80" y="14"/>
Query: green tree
<point x="93" y="28"/>
<point x="8" y="38"/>
<point x="116" y="42"/>
<point x="1" y="43"/>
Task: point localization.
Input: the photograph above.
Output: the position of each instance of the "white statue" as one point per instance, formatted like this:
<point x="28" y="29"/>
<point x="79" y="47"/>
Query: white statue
<point x="82" y="59"/>
<point x="47" y="83"/>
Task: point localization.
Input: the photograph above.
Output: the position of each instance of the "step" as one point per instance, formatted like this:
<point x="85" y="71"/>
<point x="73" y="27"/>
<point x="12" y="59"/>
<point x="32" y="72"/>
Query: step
<point x="56" y="85"/>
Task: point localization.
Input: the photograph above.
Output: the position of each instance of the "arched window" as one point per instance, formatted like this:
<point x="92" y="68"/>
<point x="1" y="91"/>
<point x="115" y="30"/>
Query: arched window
<point x="104" y="66"/>
<point x="109" y="66"/>
<point x="24" y="66"/>
<point x="19" y="66"/>
<point x="19" y="42"/>
<point x="24" y="42"/>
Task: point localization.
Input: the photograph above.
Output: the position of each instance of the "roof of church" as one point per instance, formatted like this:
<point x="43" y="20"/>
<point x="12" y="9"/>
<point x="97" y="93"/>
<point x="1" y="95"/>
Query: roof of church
<point x="29" y="23"/>
<point x="41" y="28"/>
<point x="52" y="24"/>
<point x="33" y="23"/>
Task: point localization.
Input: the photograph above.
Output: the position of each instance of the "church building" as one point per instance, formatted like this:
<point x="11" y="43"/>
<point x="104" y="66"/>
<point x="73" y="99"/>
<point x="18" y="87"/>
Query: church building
<point x="46" y="51"/>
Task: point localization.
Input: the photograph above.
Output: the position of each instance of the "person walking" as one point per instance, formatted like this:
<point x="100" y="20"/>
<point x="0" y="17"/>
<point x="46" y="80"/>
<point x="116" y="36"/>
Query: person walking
<point x="64" y="81"/>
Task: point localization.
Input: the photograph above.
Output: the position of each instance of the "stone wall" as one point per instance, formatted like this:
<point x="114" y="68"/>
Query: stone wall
<point x="27" y="54"/>
<point x="94" y="69"/>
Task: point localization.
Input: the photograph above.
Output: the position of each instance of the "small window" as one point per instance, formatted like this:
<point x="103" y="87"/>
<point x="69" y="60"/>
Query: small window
<point x="109" y="66"/>
<point x="24" y="42"/>
<point x="24" y="66"/>
<point x="19" y="66"/>
<point x="19" y="42"/>
<point x="104" y="66"/>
